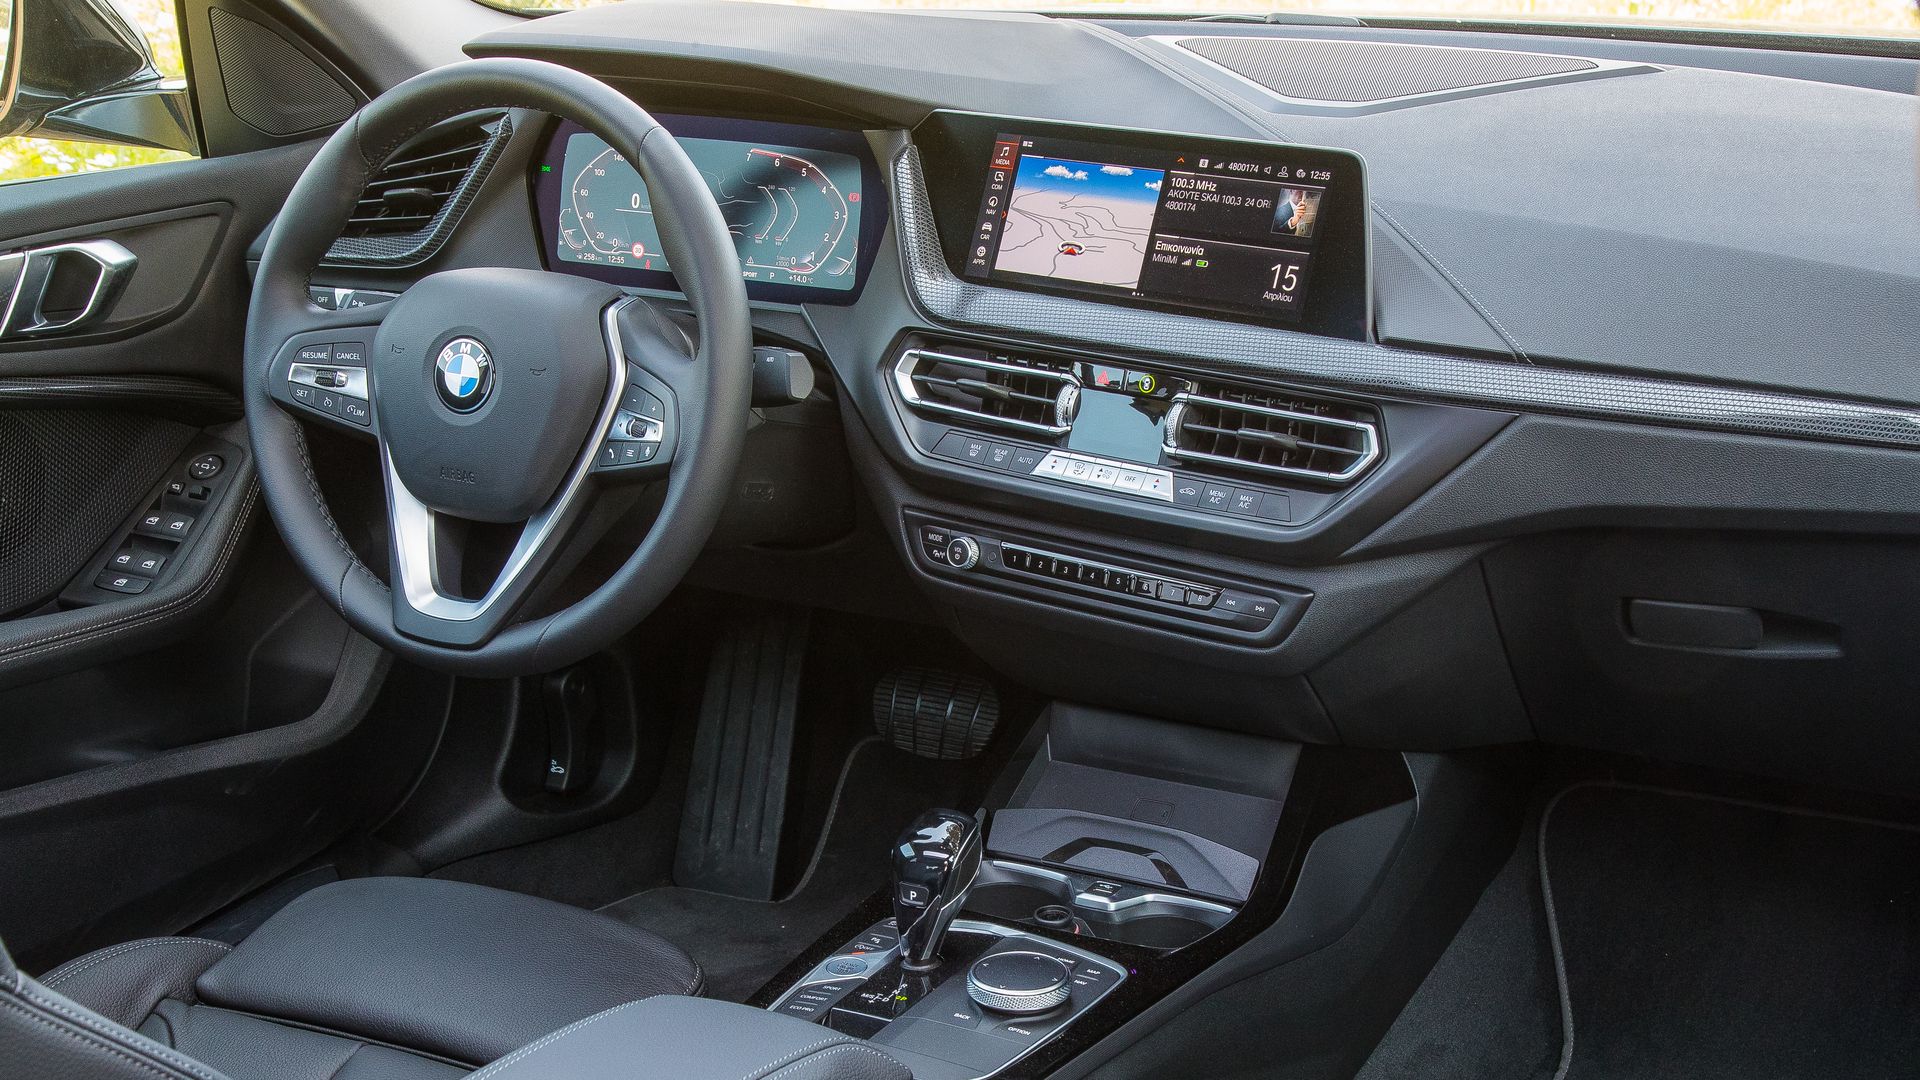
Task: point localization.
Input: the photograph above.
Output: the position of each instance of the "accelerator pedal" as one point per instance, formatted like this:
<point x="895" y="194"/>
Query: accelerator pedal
<point x="936" y="714"/>
<point x="737" y="792"/>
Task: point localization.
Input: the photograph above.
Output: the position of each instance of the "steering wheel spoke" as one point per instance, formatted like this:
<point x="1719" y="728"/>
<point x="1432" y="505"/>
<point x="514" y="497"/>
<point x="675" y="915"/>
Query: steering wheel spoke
<point x="323" y="374"/>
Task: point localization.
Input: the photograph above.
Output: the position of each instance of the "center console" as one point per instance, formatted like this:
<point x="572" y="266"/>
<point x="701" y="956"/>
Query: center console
<point x="1119" y="846"/>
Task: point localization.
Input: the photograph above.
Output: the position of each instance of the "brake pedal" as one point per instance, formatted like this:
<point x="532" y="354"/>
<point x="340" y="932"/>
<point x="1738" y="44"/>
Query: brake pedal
<point x="936" y="714"/>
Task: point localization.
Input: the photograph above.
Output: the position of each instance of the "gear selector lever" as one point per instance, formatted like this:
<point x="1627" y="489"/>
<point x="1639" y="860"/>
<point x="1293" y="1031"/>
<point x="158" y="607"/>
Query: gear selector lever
<point x="934" y="864"/>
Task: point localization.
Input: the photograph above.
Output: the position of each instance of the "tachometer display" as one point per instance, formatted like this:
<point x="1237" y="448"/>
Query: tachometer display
<point x="794" y="212"/>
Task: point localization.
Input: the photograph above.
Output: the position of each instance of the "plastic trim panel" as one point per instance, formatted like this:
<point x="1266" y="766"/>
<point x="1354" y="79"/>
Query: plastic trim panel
<point x="1263" y="352"/>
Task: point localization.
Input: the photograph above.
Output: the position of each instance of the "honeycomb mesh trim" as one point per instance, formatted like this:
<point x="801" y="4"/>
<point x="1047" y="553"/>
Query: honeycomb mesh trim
<point x="1360" y="72"/>
<point x="68" y="478"/>
<point x="414" y="248"/>
<point x="1336" y="364"/>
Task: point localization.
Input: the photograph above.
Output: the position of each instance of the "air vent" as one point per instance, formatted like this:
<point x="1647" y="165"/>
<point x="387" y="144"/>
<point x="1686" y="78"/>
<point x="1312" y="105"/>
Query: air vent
<point x="1012" y="393"/>
<point x="412" y="202"/>
<point x="1266" y="432"/>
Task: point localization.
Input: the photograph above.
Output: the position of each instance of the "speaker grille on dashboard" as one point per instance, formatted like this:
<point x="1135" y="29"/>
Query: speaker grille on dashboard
<point x="1364" y="71"/>
<point x="271" y="85"/>
<point x="67" y="478"/>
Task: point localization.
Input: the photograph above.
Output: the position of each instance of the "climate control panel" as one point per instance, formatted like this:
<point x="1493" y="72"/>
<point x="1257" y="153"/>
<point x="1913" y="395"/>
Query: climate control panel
<point x="998" y="559"/>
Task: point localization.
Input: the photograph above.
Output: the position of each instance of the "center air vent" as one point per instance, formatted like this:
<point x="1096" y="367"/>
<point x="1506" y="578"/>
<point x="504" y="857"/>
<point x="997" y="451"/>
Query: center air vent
<point x="412" y="202"/>
<point x="1009" y="393"/>
<point x="1272" y="433"/>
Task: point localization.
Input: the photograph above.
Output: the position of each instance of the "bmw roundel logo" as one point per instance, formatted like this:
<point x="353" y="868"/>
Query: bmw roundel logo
<point x="464" y="374"/>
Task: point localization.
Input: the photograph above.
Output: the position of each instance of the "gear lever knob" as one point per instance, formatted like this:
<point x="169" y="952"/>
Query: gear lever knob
<point x="934" y="864"/>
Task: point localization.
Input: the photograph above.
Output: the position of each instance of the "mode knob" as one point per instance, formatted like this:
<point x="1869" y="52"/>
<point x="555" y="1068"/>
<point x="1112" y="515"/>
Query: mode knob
<point x="963" y="552"/>
<point x="1020" y="982"/>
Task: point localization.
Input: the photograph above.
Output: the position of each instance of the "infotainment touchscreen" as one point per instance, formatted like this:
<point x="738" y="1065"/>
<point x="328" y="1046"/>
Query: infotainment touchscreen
<point x="1263" y="231"/>
<point x="798" y="200"/>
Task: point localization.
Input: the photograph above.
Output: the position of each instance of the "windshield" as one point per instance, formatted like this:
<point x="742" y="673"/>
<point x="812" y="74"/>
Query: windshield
<point x="1838" y="18"/>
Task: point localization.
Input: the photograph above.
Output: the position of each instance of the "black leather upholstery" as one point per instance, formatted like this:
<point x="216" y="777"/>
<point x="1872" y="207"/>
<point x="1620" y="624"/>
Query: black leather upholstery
<point x="387" y="978"/>
<point x="461" y="971"/>
<point x="406" y="979"/>
<point x="45" y="1036"/>
<point x="691" y="1039"/>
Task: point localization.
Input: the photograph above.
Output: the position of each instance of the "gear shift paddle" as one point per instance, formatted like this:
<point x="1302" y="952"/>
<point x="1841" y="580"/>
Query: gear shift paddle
<point x="934" y="864"/>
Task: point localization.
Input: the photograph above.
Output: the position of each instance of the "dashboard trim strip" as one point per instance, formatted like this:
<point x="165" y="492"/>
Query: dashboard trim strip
<point x="1331" y="363"/>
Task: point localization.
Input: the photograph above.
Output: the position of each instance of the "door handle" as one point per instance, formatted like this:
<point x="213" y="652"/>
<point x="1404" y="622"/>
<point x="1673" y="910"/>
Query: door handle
<point x="61" y="288"/>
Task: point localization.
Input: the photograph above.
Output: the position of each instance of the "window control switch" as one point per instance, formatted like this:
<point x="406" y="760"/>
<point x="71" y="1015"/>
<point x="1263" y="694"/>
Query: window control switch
<point x="130" y="584"/>
<point x="131" y="559"/>
<point x="164" y="523"/>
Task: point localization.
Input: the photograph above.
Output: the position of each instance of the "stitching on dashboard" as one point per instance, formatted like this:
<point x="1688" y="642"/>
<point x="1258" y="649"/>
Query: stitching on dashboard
<point x="1498" y="327"/>
<point x="89" y="634"/>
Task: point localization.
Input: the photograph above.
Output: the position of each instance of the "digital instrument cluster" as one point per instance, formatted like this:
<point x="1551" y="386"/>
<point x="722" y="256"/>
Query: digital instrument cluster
<point x="804" y="205"/>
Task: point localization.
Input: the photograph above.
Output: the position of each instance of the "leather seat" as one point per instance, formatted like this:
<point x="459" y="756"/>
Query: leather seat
<point x="367" y="979"/>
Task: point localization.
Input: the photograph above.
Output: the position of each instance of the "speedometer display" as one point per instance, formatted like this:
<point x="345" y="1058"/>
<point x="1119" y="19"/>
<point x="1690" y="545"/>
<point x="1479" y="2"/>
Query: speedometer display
<point x="794" y="212"/>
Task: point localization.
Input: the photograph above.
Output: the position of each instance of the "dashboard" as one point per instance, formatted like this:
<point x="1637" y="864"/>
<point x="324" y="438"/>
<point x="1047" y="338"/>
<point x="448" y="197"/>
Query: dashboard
<point x="1368" y="421"/>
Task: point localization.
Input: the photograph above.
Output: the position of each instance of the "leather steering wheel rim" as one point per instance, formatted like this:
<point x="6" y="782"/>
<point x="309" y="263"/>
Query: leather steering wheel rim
<point x="710" y="432"/>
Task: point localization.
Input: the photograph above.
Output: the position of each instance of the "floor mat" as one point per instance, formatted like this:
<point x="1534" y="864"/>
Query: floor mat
<point x="1690" y="937"/>
<point x="1708" y="939"/>
<point x="742" y="943"/>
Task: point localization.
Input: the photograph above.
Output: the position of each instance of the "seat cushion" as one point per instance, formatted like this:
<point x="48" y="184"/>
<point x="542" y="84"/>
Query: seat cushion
<point x="389" y="978"/>
<point x="458" y="971"/>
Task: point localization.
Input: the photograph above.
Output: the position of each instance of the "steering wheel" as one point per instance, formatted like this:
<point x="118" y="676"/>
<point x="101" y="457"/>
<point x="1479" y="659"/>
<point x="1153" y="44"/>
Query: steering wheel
<point x="505" y="401"/>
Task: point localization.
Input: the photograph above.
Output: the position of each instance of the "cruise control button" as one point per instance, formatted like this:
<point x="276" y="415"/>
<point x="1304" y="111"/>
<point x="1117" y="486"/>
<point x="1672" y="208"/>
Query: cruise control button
<point x="356" y="411"/>
<point x="303" y="394"/>
<point x="350" y="353"/>
<point x="314" y="354"/>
